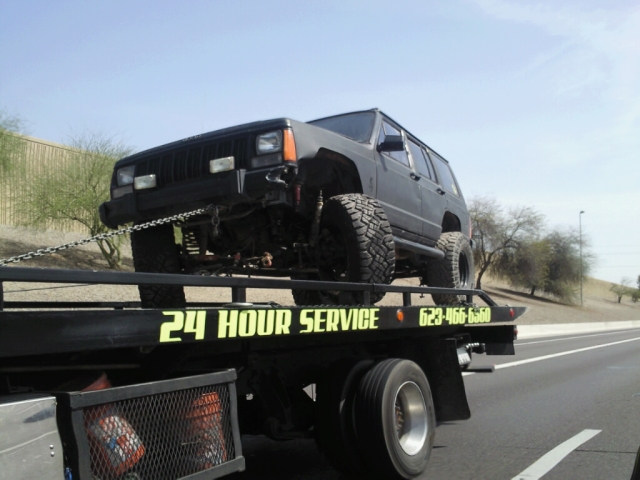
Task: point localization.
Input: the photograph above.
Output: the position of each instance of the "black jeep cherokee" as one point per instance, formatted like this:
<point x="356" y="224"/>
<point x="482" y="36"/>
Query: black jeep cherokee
<point x="352" y="197"/>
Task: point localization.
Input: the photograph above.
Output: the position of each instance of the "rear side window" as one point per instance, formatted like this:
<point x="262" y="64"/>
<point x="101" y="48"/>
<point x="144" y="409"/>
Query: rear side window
<point x="419" y="160"/>
<point x="444" y="172"/>
<point x="388" y="129"/>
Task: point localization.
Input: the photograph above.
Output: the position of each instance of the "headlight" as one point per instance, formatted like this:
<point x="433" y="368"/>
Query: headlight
<point x="146" y="181"/>
<point x="269" y="142"/>
<point x="221" y="164"/>
<point x="125" y="175"/>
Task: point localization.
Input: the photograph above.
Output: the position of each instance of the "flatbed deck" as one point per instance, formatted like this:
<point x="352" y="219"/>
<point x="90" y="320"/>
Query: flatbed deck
<point x="27" y="329"/>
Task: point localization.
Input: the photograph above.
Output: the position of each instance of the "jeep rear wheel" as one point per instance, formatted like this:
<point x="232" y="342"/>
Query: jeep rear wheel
<point x="455" y="270"/>
<point x="355" y="244"/>
<point x="155" y="251"/>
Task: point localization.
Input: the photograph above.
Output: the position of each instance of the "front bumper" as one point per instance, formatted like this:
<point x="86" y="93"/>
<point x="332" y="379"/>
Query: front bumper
<point x="227" y="188"/>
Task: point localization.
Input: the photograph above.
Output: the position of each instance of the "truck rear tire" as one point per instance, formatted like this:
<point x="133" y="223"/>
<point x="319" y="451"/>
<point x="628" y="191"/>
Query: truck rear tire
<point x="395" y="419"/>
<point x="155" y="251"/>
<point x="334" y="431"/>
<point x="455" y="270"/>
<point x="356" y="243"/>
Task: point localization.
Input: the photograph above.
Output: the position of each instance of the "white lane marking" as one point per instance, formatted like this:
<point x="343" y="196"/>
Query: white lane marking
<point x="554" y="355"/>
<point x="555" y="456"/>
<point x="562" y="354"/>
<point x="580" y="336"/>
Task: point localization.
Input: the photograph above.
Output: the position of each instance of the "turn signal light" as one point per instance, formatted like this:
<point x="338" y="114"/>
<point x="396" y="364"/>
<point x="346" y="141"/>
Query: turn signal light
<point x="289" y="150"/>
<point x="400" y="315"/>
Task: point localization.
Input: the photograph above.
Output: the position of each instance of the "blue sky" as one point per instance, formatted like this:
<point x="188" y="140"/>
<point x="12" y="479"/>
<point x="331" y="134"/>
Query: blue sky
<point x="537" y="104"/>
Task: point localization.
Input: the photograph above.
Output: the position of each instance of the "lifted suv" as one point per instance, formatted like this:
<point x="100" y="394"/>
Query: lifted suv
<point x="353" y="197"/>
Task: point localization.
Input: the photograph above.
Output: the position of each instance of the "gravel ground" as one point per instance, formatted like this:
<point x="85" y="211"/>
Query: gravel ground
<point x="599" y="304"/>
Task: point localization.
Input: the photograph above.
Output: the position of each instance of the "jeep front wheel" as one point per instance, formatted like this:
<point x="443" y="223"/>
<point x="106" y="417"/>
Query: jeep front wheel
<point x="155" y="251"/>
<point x="355" y="243"/>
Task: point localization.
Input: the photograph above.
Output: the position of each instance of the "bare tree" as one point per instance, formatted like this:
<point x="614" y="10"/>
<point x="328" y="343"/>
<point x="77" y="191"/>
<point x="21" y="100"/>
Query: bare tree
<point x="496" y="231"/>
<point x="11" y="145"/>
<point x="622" y="289"/>
<point x="75" y="190"/>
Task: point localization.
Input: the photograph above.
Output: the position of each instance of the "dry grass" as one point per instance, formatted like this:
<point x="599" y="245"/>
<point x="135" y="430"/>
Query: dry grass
<point x="599" y="289"/>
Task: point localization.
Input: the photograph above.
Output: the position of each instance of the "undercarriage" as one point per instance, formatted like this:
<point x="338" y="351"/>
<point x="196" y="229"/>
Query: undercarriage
<point x="268" y="242"/>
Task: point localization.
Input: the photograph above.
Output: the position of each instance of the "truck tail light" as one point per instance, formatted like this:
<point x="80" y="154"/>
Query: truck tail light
<point x="289" y="151"/>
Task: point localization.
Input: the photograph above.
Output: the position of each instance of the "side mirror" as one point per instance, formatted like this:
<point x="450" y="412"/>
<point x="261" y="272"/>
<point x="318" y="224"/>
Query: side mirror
<point x="392" y="143"/>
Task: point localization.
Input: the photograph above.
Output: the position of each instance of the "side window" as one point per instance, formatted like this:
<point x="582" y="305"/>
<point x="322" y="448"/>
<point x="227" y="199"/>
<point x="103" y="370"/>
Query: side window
<point x="419" y="161"/>
<point x="388" y="129"/>
<point x="444" y="172"/>
<point x="429" y="165"/>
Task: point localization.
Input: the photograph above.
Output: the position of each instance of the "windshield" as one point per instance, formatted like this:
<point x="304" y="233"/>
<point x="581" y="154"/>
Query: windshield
<point x="356" y="126"/>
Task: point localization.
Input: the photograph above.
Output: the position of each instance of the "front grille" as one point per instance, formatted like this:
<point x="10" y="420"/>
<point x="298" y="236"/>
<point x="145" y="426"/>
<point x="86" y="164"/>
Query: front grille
<point x="187" y="163"/>
<point x="163" y="435"/>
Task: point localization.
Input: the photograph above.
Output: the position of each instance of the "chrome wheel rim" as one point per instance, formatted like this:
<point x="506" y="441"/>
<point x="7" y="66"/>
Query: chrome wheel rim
<point x="411" y="418"/>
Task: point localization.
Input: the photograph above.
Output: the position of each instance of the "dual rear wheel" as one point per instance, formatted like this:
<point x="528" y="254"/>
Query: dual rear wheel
<point x="376" y="419"/>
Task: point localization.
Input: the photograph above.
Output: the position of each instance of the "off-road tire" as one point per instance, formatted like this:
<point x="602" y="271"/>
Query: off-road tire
<point x="307" y="297"/>
<point x="455" y="270"/>
<point x="360" y="222"/>
<point x="155" y="251"/>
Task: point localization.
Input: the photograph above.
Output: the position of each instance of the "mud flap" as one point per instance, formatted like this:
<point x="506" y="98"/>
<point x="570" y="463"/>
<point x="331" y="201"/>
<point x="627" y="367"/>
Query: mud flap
<point x="438" y="358"/>
<point x="445" y="378"/>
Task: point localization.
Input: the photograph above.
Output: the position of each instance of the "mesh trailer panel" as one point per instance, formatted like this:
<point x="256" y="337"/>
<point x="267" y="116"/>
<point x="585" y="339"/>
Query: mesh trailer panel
<point x="166" y="430"/>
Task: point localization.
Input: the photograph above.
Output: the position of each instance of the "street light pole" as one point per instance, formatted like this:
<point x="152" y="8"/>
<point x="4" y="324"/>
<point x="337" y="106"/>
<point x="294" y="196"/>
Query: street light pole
<point x="580" y="222"/>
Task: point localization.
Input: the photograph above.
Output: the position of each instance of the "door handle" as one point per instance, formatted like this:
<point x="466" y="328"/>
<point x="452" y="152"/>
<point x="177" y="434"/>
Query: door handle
<point x="414" y="176"/>
<point x="440" y="191"/>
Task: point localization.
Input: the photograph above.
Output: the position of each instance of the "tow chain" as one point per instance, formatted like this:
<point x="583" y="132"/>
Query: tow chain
<point x="103" y="236"/>
<point x="215" y="221"/>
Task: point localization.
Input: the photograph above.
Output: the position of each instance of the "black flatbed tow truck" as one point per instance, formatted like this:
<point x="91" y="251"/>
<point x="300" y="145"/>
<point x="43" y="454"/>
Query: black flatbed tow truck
<point x="109" y="390"/>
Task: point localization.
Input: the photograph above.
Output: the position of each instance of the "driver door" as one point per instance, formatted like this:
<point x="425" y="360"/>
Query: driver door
<point x="398" y="191"/>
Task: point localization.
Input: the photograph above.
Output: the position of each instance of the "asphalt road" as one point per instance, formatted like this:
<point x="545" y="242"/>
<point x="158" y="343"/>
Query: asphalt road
<point x="571" y="415"/>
